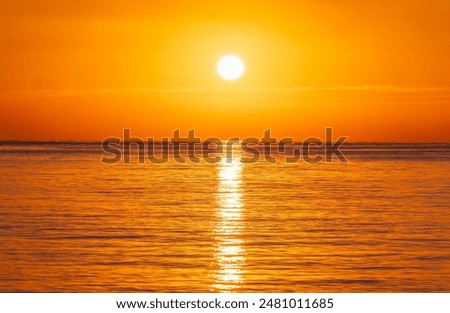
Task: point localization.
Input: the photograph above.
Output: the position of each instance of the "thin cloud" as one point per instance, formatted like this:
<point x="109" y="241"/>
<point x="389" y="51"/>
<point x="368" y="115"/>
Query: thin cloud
<point x="198" y="90"/>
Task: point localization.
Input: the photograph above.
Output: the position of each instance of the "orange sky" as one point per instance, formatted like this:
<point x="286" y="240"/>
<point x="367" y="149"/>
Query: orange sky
<point x="373" y="70"/>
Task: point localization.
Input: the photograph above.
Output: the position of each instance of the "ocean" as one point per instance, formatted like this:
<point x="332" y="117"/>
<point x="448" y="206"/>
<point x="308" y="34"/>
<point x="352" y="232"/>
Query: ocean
<point x="378" y="223"/>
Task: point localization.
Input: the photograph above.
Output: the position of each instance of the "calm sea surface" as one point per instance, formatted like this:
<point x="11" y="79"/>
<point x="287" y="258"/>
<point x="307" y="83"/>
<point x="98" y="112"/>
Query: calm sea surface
<point x="378" y="223"/>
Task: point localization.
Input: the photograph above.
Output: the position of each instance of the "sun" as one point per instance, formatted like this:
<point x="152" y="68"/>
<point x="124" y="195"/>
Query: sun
<point x="230" y="67"/>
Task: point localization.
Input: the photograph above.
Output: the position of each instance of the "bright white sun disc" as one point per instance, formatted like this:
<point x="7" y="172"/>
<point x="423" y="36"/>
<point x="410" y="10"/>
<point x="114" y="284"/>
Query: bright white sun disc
<point x="230" y="67"/>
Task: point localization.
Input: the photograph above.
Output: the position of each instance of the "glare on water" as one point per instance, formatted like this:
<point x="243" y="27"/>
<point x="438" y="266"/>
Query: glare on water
<point x="230" y="254"/>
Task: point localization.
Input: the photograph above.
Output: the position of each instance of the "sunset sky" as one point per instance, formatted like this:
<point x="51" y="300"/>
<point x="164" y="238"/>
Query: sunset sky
<point x="84" y="70"/>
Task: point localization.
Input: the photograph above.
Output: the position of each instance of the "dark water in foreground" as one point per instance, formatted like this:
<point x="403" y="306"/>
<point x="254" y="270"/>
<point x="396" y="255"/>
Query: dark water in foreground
<point x="378" y="223"/>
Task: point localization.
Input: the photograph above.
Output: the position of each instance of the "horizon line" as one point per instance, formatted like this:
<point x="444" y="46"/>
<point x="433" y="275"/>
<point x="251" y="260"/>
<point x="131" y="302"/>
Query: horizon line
<point x="94" y="141"/>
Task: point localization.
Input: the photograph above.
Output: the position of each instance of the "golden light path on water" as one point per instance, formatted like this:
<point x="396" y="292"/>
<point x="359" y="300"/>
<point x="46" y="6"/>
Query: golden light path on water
<point x="230" y="253"/>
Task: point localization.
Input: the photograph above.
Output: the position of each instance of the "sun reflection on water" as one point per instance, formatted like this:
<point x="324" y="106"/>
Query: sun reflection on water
<point x="230" y="253"/>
